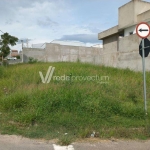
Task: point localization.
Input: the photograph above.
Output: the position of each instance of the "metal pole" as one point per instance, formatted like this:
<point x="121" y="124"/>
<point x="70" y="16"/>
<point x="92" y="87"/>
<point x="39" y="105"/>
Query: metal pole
<point x="22" y="55"/>
<point x="22" y="50"/>
<point x="144" y="76"/>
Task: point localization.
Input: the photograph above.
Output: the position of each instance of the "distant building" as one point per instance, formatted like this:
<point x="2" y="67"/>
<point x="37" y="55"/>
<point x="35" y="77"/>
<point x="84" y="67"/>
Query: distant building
<point x="14" y="53"/>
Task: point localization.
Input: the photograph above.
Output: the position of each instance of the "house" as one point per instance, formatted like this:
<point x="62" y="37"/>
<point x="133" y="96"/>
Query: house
<point x="121" y="42"/>
<point x="130" y="15"/>
<point x="14" y="53"/>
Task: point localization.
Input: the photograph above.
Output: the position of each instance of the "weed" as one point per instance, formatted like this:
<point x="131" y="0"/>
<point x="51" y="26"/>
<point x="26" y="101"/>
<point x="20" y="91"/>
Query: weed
<point x="65" y="140"/>
<point x="32" y="60"/>
<point x="76" y="107"/>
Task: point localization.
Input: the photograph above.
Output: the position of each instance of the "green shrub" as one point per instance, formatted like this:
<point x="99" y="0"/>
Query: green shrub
<point x="18" y="56"/>
<point x="32" y="60"/>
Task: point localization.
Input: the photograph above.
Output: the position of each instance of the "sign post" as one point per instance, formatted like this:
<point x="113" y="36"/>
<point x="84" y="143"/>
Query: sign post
<point x="144" y="76"/>
<point x="143" y="31"/>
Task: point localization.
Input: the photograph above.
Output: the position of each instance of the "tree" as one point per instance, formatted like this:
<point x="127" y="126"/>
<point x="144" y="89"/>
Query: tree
<point x="5" y="41"/>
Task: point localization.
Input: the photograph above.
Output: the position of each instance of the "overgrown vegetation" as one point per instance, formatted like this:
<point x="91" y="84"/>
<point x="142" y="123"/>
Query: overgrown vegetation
<point x="18" y="56"/>
<point x="72" y="109"/>
<point x="32" y="60"/>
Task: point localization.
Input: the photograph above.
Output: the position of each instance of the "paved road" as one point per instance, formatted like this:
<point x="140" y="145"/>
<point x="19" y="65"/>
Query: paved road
<point x="19" y="143"/>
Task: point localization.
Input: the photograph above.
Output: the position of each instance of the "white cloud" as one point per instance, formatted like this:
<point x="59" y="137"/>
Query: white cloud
<point x="43" y="20"/>
<point x="86" y="38"/>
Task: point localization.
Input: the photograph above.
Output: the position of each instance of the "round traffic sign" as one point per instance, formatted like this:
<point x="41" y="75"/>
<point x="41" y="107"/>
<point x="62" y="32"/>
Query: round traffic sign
<point x="143" y="30"/>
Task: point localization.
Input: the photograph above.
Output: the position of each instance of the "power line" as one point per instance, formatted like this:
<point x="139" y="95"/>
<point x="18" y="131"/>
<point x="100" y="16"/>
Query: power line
<point x="1" y="31"/>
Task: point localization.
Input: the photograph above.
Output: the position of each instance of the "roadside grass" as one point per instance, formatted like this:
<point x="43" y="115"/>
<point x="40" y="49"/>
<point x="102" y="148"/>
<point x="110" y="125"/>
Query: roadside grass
<point x="67" y="110"/>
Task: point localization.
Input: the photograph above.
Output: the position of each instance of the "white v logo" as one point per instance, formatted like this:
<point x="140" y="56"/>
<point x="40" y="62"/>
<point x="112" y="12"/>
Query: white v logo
<point x="48" y="76"/>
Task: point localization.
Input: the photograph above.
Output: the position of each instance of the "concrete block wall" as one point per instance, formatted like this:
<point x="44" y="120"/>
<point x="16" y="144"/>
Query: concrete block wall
<point x="110" y="51"/>
<point x="35" y="53"/>
<point x="63" y="53"/>
<point x="129" y="54"/>
<point x="117" y="52"/>
<point x="56" y="52"/>
<point x="123" y="53"/>
<point x="53" y="53"/>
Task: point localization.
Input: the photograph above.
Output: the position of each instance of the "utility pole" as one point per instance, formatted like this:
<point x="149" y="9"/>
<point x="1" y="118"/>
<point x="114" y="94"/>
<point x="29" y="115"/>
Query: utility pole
<point x="22" y="50"/>
<point x="2" y="52"/>
<point x="27" y="43"/>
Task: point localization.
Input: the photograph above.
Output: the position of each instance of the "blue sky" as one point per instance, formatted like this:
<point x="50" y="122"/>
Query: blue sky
<point x="47" y="20"/>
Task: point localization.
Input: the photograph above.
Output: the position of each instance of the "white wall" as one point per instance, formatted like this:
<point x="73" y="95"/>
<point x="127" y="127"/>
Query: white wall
<point x="130" y="29"/>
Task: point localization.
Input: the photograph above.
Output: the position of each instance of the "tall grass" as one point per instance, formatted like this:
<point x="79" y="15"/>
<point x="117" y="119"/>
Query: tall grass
<point x="34" y="109"/>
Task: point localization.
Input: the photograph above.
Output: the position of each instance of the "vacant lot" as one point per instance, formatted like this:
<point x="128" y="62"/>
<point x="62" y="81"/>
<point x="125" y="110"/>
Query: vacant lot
<point x="73" y="108"/>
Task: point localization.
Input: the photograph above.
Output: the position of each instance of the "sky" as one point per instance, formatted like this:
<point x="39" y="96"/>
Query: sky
<point x="43" y="21"/>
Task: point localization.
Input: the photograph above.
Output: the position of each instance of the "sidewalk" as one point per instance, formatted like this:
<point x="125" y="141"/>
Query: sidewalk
<point x="12" y="142"/>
